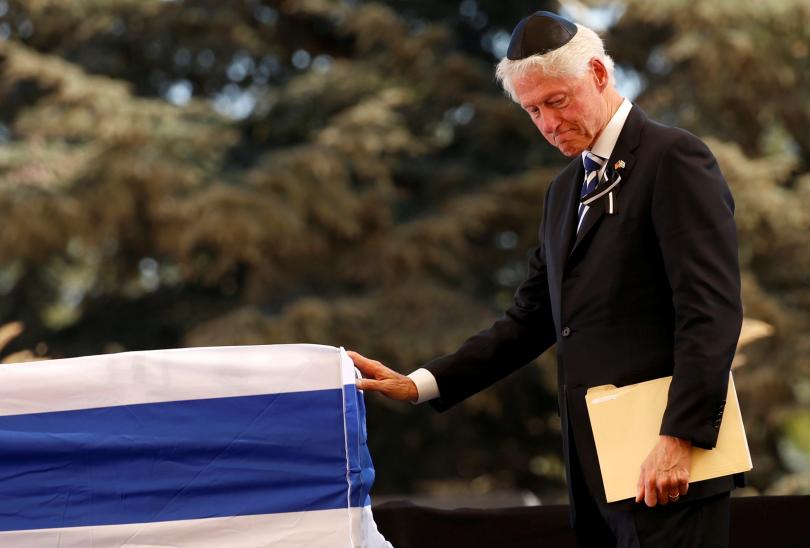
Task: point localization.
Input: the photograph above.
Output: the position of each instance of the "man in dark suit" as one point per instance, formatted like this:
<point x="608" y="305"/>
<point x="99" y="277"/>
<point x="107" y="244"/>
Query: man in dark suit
<point x="636" y="277"/>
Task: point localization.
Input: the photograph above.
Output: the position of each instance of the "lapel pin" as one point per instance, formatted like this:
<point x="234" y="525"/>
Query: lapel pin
<point x="619" y="165"/>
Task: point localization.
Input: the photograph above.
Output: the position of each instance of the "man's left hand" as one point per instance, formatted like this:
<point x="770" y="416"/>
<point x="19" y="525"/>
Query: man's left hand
<point x="665" y="472"/>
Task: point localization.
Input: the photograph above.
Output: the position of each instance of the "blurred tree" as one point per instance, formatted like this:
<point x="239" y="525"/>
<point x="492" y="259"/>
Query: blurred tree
<point x="199" y="173"/>
<point x="736" y="70"/>
<point x="354" y="202"/>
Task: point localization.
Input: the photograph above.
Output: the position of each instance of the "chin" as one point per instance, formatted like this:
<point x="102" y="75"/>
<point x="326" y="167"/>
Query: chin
<point x="570" y="151"/>
<point x="571" y="147"/>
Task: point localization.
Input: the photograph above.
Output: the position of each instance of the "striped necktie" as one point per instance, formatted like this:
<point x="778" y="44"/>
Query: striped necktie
<point x="593" y="164"/>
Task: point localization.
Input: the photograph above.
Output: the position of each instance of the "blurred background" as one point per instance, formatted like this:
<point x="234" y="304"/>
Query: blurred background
<point x="199" y="172"/>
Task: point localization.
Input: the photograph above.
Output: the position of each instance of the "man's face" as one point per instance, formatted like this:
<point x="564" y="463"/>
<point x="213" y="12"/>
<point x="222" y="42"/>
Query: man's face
<point x="570" y="112"/>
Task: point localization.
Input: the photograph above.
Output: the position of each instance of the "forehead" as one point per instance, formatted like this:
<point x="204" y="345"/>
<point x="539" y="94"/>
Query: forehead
<point x="535" y="87"/>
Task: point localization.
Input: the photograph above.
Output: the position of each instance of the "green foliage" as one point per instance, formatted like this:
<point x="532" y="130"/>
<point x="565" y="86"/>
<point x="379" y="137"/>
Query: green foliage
<point x="739" y="70"/>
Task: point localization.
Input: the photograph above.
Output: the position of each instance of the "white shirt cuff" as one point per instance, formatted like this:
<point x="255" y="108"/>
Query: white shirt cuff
<point x="426" y="386"/>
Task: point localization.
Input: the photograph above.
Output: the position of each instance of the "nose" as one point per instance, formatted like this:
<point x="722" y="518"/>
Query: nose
<point x="549" y="121"/>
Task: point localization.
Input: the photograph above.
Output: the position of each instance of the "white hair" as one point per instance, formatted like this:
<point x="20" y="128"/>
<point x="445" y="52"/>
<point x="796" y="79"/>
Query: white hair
<point x="571" y="59"/>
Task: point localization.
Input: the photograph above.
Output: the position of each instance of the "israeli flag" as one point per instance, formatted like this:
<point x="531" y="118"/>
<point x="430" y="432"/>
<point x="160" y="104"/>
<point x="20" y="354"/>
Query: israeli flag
<point x="204" y="447"/>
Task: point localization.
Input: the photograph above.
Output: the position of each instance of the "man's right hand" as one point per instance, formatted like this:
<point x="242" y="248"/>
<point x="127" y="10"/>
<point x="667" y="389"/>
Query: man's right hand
<point x="379" y="378"/>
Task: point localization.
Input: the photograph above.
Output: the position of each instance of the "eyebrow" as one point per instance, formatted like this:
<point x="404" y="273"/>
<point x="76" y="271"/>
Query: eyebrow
<point x="546" y="99"/>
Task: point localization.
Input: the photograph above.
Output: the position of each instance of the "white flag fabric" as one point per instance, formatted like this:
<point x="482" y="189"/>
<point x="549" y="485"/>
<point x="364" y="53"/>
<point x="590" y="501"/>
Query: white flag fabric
<point x="224" y="447"/>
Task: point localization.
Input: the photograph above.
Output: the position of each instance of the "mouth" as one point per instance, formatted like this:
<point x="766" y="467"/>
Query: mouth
<point x="560" y="137"/>
<point x="566" y="142"/>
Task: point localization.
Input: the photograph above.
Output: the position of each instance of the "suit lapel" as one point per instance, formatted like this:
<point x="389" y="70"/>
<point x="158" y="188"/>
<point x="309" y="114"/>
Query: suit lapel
<point x="627" y="142"/>
<point x="560" y="226"/>
<point x="568" y="223"/>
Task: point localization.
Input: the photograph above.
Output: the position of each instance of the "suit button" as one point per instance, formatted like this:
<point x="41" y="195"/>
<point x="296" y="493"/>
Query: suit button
<point x="566" y="331"/>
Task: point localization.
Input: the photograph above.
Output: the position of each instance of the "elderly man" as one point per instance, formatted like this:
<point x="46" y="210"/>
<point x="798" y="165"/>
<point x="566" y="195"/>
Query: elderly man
<point x="635" y="277"/>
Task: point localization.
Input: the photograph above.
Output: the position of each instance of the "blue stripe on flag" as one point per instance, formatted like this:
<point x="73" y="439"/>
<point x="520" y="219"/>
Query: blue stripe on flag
<point x="182" y="460"/>
<point x="361" y="467"/>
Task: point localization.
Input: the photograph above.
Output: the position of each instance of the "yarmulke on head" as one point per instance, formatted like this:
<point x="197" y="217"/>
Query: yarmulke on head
<point x="552" y="45"/>
<point x="539" y="33"/>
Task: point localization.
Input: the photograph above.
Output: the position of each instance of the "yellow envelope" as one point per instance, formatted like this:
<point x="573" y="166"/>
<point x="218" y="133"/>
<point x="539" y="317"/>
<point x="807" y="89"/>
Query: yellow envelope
<point x="626" y="422"/>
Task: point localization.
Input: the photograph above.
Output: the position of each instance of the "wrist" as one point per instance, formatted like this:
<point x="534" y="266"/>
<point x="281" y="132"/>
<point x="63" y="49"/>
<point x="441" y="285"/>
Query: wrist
<point x="672" y="440"/>
<point x="413" y="392"/>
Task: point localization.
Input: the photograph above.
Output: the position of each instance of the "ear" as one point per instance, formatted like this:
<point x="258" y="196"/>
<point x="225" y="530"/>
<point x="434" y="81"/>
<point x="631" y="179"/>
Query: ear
<point x="600" y="74"/>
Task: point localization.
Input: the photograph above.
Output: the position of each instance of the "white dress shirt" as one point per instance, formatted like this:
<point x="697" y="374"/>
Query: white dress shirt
<point x="426" y="385"/>
<point x="605" y="143"/>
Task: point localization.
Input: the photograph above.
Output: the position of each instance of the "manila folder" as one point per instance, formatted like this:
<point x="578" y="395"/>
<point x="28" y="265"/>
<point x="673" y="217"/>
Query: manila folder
<point x="626" y="422"/>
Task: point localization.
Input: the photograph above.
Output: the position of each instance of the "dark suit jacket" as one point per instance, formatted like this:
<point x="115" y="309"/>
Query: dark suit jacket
<point x="649" y="291"/>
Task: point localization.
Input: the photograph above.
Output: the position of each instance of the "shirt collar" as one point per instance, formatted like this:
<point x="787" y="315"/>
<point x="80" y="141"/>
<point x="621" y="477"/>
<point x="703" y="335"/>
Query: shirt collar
<point x="607" y="139"/>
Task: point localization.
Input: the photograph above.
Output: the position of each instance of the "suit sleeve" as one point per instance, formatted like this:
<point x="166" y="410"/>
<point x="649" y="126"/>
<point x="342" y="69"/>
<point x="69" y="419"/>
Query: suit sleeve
<point x="693" y="216"/>
<point x="524" y="332"/>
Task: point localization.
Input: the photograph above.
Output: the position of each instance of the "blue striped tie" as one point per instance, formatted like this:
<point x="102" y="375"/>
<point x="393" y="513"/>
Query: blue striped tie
<point x="593" y="164"/>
